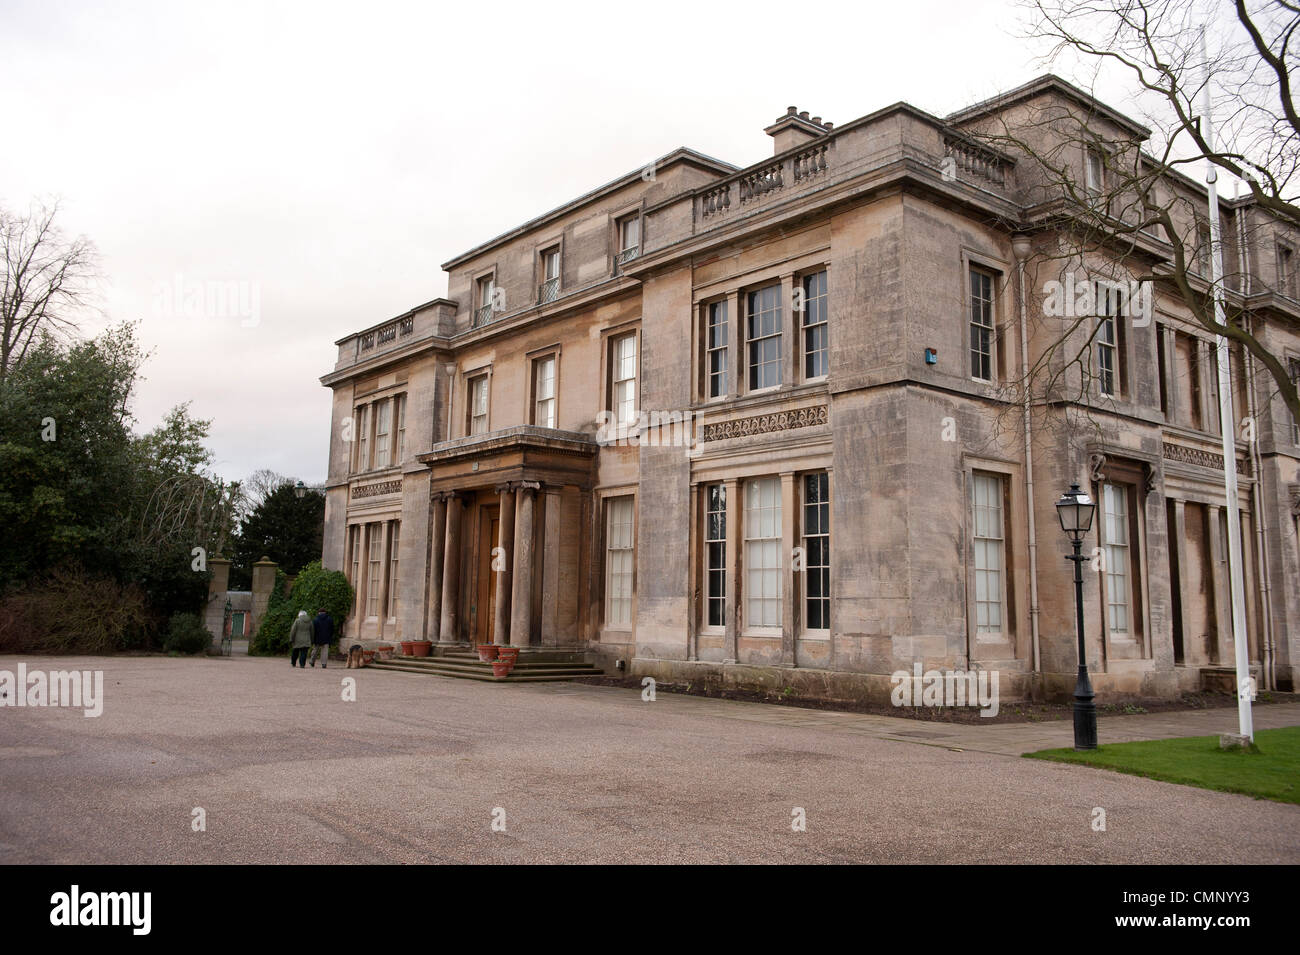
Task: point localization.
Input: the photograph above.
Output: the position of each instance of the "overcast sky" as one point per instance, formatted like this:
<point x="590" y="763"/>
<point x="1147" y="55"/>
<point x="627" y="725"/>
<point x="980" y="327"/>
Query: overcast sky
<point x="328" y="158"/>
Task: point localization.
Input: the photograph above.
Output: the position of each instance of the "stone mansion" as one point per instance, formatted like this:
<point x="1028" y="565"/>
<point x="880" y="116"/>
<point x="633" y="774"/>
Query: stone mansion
<point x="753" y="426"/>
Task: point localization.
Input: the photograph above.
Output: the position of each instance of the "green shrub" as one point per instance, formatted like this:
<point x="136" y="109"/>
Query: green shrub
<point x="186" y="634"/>
<point x="315" y="588"/>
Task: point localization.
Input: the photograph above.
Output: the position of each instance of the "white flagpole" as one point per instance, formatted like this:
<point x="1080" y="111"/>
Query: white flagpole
<point x="1228" y="428"/>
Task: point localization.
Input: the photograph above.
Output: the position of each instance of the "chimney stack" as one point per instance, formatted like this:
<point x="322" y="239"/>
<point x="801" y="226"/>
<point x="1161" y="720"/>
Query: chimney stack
<point x="794" y="128"/>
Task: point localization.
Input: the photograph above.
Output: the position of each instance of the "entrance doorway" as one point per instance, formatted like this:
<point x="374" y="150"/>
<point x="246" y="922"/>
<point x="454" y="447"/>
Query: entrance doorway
<point x="488" y="531"/>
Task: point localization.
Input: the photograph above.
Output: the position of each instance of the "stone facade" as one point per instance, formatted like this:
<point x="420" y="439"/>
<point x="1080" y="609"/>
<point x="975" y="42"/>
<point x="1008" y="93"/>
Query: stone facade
<point x="721" y="424"/>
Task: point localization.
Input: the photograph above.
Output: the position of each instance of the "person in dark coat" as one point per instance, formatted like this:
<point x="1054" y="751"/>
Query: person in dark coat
<point x="322" y="633"/>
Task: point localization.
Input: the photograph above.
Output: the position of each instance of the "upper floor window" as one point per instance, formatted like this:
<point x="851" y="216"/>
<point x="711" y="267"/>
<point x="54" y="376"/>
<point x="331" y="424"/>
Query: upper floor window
<point x="544" y="400"/>
<point x="363" y="438"/>
<point x="629" y="238"/>
<point x="715" y="349"/>
<point x="1096" y="171"/>
<point x="487" y="299"/>
<point x="550" y="287"/>
<point x="478" y="405"/>
<point x="1293" y="366"/>
<point x="982" y="341"/>
<point x="816" y="338"/>
<point x="623" y="379"/>
<point x="401" y="428"/>
<point x="383" y="424"/>
<point x="1107" y="356"/>
<point x="1285" y="272"/>
<point x="763" y="336"/>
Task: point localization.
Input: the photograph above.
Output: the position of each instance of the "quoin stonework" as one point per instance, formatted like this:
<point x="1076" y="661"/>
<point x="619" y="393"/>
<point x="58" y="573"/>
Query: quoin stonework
<point x="841" y="325"/>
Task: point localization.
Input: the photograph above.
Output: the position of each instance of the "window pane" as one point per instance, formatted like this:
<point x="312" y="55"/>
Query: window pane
<point x="987" y="521"/>
<point x="763" y="552"/>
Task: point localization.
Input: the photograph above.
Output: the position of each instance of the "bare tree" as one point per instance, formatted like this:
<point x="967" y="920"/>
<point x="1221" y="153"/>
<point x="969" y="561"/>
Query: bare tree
<point x="1127" y="200"/>
<point x="48" y="278"/>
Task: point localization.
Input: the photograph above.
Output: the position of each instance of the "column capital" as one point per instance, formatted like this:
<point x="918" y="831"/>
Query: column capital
<point x="507" y="488"/>
<point x="530" y="485"/>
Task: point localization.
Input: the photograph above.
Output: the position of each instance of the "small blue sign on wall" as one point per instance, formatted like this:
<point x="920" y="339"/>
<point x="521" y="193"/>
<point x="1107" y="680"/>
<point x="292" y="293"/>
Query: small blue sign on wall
<point x="931" y="356"/>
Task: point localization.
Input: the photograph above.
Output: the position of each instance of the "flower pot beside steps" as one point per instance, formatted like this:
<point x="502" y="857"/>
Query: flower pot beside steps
<point x="502" y="666"/>
<point x="508" y="653"/>
<point x="406" y="648"/>
<point x="487" y="652"/>
<point x="384" y="651"/>
<point x="421" y="648"/>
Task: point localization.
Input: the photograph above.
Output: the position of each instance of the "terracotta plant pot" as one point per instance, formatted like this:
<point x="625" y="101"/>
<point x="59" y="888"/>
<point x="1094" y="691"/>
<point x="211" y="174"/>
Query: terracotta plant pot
<point x="501" y="668"/>
<point x="487" y="652"/>
<point x="368" y="657"/>
<point x="421" y="648"/>
<point x="508" y="653"/>
<point x="406" y="648"/>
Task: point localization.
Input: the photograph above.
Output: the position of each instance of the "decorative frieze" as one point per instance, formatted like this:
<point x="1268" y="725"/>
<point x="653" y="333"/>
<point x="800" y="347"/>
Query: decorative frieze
<point x="1203" y="459"/>
<point x="766" y="423"/>
<point x="375" y="490"/>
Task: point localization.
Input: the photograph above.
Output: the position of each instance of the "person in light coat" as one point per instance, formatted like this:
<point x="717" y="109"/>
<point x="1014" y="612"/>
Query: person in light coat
<point x="300" y="640"/>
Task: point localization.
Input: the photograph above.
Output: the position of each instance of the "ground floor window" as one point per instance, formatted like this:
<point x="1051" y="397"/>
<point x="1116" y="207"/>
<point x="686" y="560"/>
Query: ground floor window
<point x="715" y="555"/>
<point x="763" y="553"/>
<point x="392" y="572"/>
<point x="618" y="562"/>
<point x="817" y="550"/>
<point x="375" y="534"/>
<point x="1115" y="539"/>
<point x="990" y="553"/>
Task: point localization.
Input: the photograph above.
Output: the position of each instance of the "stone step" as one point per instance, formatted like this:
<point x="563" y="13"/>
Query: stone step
<point x="483" y="671"/>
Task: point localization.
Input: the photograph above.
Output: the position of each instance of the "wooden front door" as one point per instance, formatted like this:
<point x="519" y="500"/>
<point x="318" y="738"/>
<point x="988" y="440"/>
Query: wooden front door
<point x="489" y="524"/>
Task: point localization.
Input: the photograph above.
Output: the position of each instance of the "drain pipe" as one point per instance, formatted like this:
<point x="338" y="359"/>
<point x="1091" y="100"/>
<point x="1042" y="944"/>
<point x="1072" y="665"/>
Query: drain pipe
<point x="1021" y="246"/>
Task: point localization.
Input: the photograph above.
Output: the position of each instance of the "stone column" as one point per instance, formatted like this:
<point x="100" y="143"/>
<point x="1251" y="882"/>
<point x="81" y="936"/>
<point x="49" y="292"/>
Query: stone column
<point x="1222" y="598"/>
<point x="731" y="615"/>
<point x="521" y="598"/>
<point x="1178" y="545"/>
<point x="550" y="565"/>
<point x="506" y="541"/>
<point x="789" y="610"/>
<point x="263" y="584"/>
<point x="433" y="583"/>
<point x="451" y="571"/>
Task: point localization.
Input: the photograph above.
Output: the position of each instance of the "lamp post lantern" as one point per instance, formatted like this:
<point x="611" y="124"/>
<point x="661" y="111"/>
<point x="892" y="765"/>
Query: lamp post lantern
<point x="1075" y="510"/>
<point x="300" y="489"/>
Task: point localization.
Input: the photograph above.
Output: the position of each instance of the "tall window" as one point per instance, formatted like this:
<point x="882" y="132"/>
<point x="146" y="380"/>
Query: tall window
<point x="629" y="238"/>
<point x="1115" y="538"/>
<point x="817" y="550"/>
<point x="715" y="555"/>
<point x="392" y="572"/>
<point x="1107" y="356"/>
<point x="383" y="423"/>
<point x="623" y="378"/>
<point x="816" y="338"/>
<point x="373" y="570"/>
<point x="486" y="299"/>
<point x="401" y="428"/>
<point x="478" y="405"/>
<point x="354" y="547"/>
<point x="981" y="325"/>
<point x="989" y="553"/>
<point x="763" y="553"/>
<point x="1285" y="273"/>
<point x="618" y="562"/>
<point x="550" y="286"/>
<point x="763" y="336"/>
<point x="544" y="392"/>
<point x="715" y="349"/>
<point x="363" y="438"/>
<point x="1293" y="366"/>
<point x="1096" y="172"/>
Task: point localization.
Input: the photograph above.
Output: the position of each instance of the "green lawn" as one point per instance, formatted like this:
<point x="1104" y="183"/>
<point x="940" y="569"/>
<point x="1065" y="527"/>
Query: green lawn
<point x="1272" y="771"/>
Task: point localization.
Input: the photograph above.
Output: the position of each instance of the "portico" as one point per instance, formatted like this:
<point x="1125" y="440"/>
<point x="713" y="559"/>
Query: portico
<point x="507" y="511"/>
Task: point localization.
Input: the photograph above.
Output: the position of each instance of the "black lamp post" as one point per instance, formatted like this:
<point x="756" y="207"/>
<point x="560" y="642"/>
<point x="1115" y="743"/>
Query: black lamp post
<point x="299" y="490"/>
<point x="1075" y="509"/>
